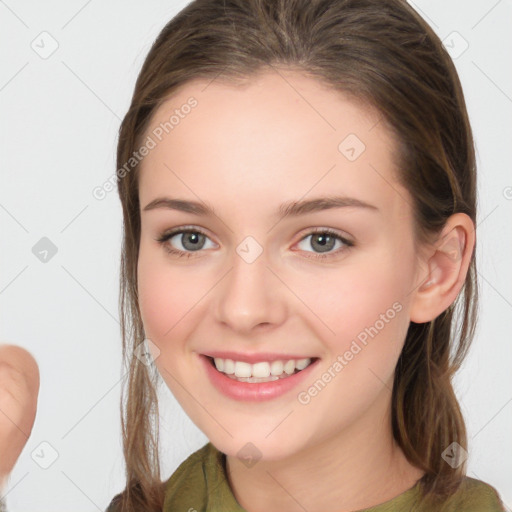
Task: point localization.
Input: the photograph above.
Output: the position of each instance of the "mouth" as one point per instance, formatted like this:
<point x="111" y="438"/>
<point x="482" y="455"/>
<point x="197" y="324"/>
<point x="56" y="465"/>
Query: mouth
<point x="241" y="381"/>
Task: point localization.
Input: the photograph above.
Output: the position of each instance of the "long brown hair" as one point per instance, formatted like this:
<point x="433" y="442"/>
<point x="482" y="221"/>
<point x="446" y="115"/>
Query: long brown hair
<point x="380" y="52"/>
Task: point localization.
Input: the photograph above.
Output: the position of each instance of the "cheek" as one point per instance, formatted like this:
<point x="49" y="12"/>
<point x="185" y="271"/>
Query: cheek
<point x="367" y="311"/>
<point x="166" y="296"/>
<point x="351" y="299"/>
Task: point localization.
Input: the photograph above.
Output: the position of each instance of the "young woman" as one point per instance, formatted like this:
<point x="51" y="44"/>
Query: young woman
<point x="298" y="186"/>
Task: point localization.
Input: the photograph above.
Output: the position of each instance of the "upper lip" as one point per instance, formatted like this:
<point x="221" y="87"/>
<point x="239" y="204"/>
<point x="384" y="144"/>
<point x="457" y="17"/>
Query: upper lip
<point x="255" y="357"/>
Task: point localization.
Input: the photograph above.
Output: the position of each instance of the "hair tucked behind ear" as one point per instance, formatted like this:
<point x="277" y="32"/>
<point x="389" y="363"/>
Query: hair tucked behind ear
<point x="382" y="53"/>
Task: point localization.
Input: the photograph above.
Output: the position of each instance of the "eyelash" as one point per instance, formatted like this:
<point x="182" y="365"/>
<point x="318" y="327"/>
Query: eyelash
<point x="183" y="254"/>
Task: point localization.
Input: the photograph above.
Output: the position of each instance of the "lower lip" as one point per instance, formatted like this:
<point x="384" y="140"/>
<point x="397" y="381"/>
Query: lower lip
<point x="254" y="392"/>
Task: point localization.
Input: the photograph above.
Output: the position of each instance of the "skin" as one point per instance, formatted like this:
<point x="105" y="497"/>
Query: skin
<point x="19" y="388"/>
<point x="245" y="150"/>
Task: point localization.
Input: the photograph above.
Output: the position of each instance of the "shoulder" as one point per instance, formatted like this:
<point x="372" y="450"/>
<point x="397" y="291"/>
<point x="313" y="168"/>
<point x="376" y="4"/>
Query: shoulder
<point x="114" y="505"/>
<point x="191" y="474"/>
<point x="474" y="496"/>
<point x="201" y="483"/>
<point x="189" y="479"/>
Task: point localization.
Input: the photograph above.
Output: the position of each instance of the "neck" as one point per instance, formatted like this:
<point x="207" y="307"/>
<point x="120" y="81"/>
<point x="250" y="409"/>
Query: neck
<point x="357" y="468"/>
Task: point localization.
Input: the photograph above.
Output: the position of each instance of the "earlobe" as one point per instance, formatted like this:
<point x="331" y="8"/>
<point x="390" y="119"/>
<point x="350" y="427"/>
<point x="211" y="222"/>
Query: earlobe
<point x="447" y="264"/>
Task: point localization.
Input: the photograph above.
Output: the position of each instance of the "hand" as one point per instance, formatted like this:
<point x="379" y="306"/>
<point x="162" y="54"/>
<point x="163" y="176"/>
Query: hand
<point x="19" y="389"/>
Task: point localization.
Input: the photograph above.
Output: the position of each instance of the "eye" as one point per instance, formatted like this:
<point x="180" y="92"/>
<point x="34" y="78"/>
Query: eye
<point x="324" y="240"/>
<point x="190" y="239"/>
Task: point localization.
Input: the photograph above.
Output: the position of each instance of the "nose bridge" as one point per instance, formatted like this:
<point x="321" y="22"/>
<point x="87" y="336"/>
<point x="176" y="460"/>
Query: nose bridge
<point x="249" y="293"/>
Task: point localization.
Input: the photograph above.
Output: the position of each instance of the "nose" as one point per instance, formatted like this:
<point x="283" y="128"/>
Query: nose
<point x="251" y="296"/>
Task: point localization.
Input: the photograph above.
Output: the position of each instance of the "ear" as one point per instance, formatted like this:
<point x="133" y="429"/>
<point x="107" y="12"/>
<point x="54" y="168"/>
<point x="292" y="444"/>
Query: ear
<point x="444" y="269"/>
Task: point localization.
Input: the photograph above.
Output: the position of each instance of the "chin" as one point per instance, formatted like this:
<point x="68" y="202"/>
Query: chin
<point x="254" y="447"/>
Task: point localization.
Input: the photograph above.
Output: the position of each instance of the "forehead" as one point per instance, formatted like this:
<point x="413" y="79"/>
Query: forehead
<point x="277" y="137"/>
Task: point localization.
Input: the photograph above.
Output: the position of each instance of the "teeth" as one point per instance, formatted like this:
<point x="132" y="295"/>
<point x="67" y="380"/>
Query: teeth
<point x="254" y="379"/>
<point x="242" y="369"/>
<point x="276" y="367"/>
<point x="261" y="370"/>
<point x="302" y="363"/>
<point x="229" y="367"/>
<point x="219" y="364"/>
<point x="289" y="367"/>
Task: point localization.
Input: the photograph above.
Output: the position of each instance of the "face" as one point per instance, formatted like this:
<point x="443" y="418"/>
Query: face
<point x="248" y="279"/>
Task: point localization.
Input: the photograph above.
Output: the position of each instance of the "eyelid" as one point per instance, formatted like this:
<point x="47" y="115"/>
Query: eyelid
<point x="183" y="229"/>
<point x="331" y="231"/>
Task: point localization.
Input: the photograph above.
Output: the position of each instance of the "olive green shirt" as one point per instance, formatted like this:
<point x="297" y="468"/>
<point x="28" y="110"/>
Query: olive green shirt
<point x="200" y="484"/>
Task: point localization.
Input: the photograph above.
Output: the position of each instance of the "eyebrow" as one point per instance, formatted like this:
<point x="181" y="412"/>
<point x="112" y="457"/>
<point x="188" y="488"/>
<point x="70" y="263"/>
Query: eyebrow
<point x="288" y="209"/>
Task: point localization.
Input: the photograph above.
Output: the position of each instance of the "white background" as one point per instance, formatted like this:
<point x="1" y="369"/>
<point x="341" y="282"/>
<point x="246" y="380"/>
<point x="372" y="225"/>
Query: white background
<point x="59" y="122"/>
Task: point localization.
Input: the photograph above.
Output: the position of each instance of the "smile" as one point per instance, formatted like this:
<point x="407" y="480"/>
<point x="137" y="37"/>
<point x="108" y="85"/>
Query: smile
<point x="248" y="386"/>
